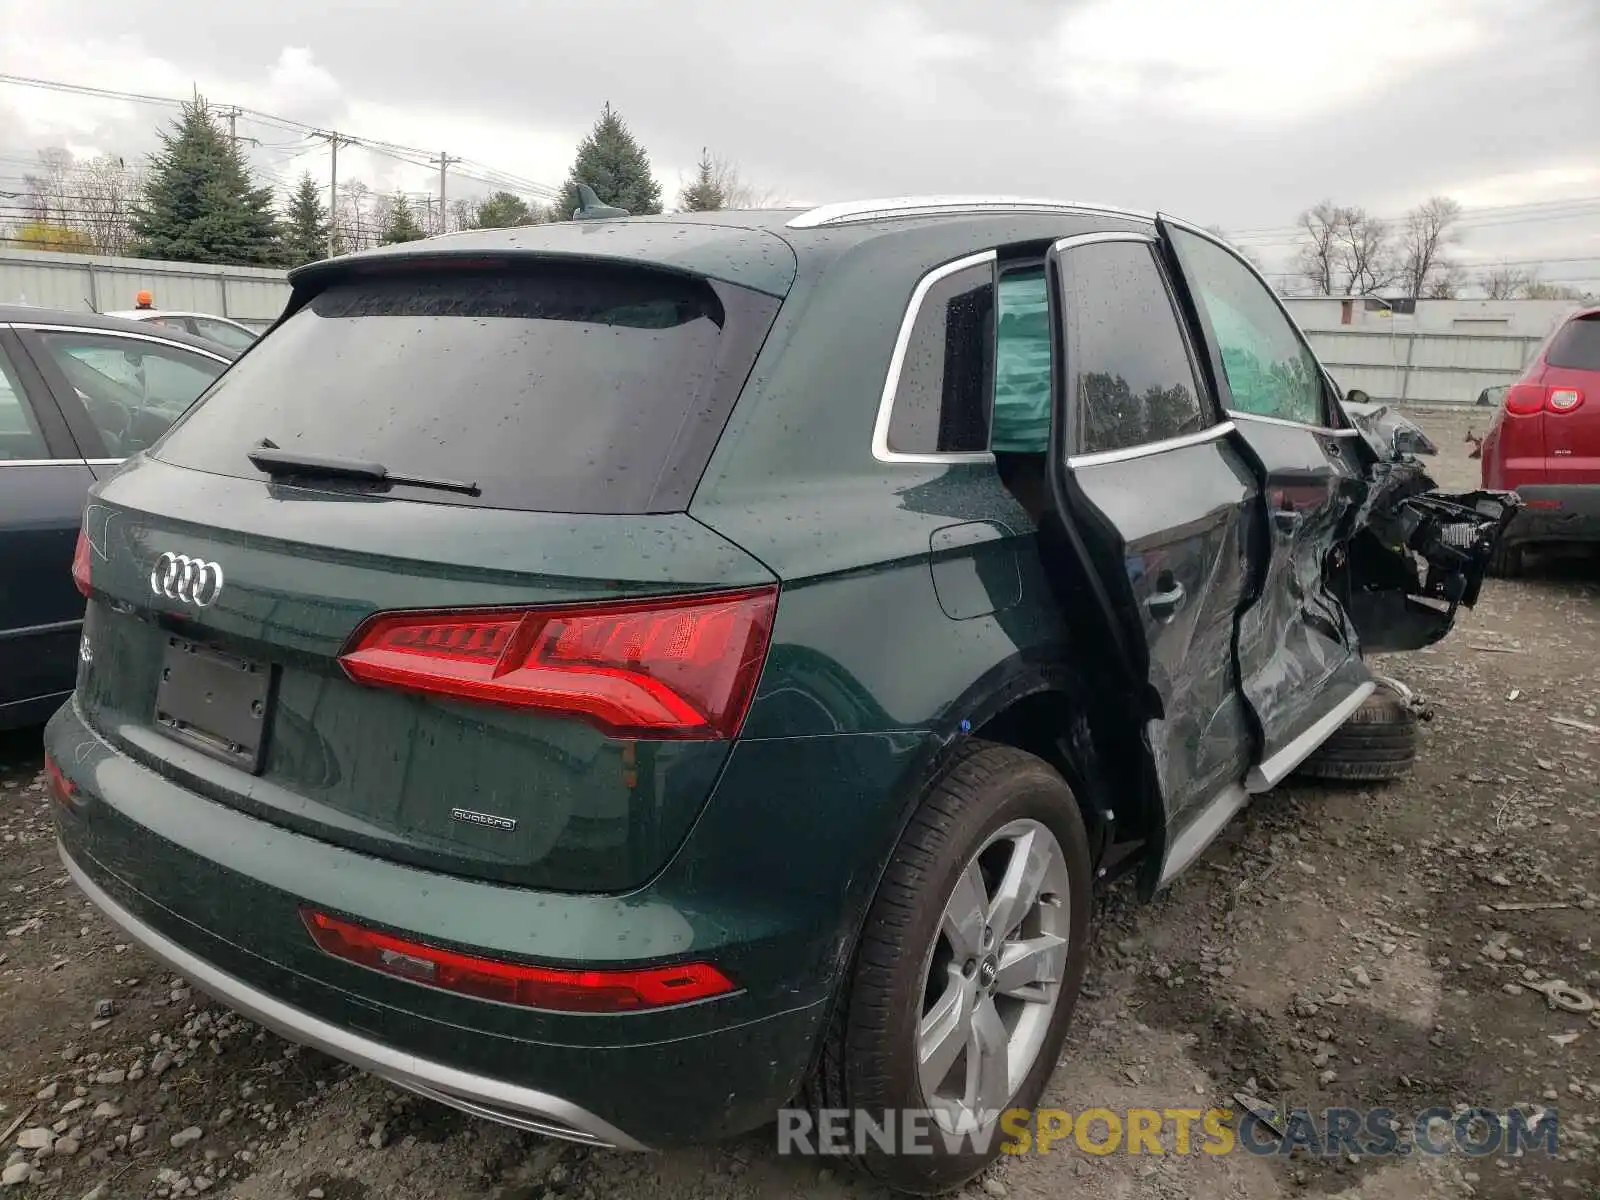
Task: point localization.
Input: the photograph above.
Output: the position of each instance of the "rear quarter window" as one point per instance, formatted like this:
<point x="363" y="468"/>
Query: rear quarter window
<point x="1577" y="345"/>
<point x="557" y="387"/>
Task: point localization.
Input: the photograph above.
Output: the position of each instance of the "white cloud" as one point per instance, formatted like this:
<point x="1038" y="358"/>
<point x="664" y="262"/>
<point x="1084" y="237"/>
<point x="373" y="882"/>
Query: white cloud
<point x="1256" y="62"/>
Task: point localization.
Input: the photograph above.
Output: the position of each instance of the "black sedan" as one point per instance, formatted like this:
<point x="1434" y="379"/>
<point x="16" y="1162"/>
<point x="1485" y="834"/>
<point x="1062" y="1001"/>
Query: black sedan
<point x="78" y="394"/>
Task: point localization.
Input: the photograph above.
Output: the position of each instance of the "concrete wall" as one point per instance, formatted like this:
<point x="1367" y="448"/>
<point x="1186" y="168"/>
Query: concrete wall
<point x="1445" y="353"/>
<point x="81" y="282"/>
<point x="1514" y="318"/>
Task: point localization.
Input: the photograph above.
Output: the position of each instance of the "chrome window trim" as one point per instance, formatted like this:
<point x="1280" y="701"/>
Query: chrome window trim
<point x="1141" y="450"/>
<point x="1104" y="235"/>
<point x="43" y="462"/>
<point x="850" y="212"/>
<point x="902" y="341"/>
<point x="105" y="462"/>
<point x="1101" y="457"/>
<point x="1238" y="415"/>
<point x="40" y="327"/>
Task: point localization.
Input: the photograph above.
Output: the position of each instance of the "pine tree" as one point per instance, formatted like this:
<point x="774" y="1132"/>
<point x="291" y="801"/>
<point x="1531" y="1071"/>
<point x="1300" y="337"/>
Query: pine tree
<point x="706" y="193"/>
<point x="198" y="204"/>
<point x="402" y="226"/>
<point x="305" y="226"/>
<point x="615" y="166"/>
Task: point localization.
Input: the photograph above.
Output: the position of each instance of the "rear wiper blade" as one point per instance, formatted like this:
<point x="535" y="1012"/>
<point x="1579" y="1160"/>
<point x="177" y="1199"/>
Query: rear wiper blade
<point x="275" y="462"/>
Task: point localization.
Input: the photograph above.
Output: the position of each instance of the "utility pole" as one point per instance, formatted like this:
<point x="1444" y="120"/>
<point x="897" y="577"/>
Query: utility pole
<point x="444" y="160"/>
<point x="334" y="141"/>
<point x="233" y="127"/>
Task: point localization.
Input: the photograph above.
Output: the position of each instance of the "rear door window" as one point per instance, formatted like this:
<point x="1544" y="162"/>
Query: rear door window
<point x="1132" y="379"/>
<point x="562" y="387"/>
<point x="133" y="389"/>
<point x="223" y="333"/>
<point x="1577" y="346"/>
<point x="20" y="439"/>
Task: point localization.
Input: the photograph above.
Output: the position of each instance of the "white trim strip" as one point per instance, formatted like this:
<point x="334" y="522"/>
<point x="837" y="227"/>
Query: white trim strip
<point x="478" y="1094"/>
<point x="1267" y="774"/>
<point x="1202" y="831"/>
<point x="40" y="327"/>
<point x="902" y="342"/>
<point x="42" y="462"/>
<point x="1102" y="457"/>
<point x="1263" y="419"/>
<point x="857" y="211"/>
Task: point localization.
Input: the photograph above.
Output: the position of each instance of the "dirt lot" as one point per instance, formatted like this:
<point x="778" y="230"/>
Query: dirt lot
<point x="1339" y="947"/>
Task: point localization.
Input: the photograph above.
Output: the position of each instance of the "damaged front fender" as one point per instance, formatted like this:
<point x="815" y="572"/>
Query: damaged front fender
<point x="1415" y="554"/>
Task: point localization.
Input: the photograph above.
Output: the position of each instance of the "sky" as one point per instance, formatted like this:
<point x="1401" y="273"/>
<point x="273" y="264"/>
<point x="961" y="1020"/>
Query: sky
<point x="1238" y="113"/>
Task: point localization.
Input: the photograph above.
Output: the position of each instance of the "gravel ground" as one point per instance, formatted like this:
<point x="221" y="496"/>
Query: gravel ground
<point x="1348" y="946"/>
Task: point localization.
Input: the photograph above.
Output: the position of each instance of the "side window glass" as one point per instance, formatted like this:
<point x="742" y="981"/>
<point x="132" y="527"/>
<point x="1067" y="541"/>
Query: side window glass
<point x="1270" y="371"/>
<point x="1133" y="380"/>
<point x="223" y="334"/>
<point x="1021" y="421"/>
<point x="19" y="433"/>
<point x="133" y="390"/>
<point x="941" y="402"/>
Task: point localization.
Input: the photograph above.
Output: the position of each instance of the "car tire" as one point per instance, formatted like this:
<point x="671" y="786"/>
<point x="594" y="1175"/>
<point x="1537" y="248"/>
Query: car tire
<point x="1377" y="743"/>
<point x="1507" y="561"/>
<point x="995" y="807"/>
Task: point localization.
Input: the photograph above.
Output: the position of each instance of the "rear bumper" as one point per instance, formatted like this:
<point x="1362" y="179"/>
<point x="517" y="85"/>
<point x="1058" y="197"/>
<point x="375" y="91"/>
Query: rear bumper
<point x="1556" y="512"/>
<point x="216" y="894"/>
<point x="498" y="1099"/>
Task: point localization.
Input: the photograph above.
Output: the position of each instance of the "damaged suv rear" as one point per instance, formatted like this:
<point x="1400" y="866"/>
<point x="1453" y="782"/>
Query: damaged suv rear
<point x="625" y="677"/>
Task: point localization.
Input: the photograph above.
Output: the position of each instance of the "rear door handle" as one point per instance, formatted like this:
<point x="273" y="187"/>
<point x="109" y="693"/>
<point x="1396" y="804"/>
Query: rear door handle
<point x="1164" y="606"/>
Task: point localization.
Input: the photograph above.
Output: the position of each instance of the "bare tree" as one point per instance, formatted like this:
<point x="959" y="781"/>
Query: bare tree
<point x="357" y="230"/>
<point x="1317" y="256"/>
<point x="1344" y="251"/>
<point x="1505" y="282"/>
<point x="1537" y="289"/>
<point x="106" y="191"/>
<point x="1428" y="232"/>
<point x="1364" y="251"/>
<point x="49" y="191"/>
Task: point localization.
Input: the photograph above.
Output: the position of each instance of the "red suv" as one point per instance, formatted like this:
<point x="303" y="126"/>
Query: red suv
<point x="1545" y="443"/>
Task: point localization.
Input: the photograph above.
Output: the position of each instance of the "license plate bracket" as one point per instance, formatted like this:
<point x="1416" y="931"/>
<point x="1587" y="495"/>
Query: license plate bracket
<point x="215" y="702"/>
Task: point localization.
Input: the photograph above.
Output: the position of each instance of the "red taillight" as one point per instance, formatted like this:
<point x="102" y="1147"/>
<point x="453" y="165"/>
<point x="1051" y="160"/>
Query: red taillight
<point x="80" y="564"/>
<point x="1525" y="399"/>
<point x="61" y="788"/>
<point x="515" y="983"/>
<point x="679" y="668"/>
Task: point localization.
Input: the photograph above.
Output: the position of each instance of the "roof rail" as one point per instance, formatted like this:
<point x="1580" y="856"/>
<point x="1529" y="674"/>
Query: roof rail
<point x="855" y="211"/>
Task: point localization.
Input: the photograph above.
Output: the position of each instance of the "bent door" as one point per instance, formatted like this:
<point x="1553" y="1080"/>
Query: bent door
<point x="1299" y="656"/>
<point x="1157" y="493"/>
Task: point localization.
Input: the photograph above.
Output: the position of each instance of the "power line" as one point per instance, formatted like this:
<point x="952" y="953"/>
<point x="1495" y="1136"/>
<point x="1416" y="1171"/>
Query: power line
<point x="417" y="156"/>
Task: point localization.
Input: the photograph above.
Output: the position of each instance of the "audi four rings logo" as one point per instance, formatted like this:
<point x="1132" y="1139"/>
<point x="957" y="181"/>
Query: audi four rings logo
<point x="191" y="580"/>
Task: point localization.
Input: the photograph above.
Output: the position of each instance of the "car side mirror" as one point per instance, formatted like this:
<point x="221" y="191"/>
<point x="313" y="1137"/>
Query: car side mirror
<point x="1492" y="397"/>
<point x="1357" y="396"/>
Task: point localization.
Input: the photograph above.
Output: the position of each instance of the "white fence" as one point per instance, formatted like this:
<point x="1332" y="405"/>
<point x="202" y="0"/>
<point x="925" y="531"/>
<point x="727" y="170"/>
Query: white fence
<point x="85" y="282"/>
<point x="1409" y="366"/>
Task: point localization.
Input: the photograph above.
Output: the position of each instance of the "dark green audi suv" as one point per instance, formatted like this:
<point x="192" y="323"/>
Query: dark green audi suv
<point x="626" y="677"/>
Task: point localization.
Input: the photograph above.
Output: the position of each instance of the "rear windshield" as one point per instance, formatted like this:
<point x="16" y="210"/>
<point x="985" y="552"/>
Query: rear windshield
<point x="1577" y="346"/>
<point x="558" y="388"/>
